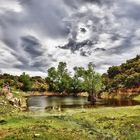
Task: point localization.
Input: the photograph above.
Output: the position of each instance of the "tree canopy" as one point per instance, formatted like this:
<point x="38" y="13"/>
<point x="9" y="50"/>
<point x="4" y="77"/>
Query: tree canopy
<point x="87" y="80"/>
<point x="127" y="75"/>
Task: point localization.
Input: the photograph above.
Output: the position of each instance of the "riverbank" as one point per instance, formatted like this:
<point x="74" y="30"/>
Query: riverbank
<point x="83" y="94"/>
<point x="137" y="98"/>
<point x="117" y="95"/>
<point x="84" y="124"/>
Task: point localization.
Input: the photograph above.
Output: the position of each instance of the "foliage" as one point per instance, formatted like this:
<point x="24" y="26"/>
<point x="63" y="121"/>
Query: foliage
<point x="113" y="71"/>
<point x="91" y="81"/>
<point x="60" y="80"/>
<point x="126" y="75"/>
<point x="26" y="82"/>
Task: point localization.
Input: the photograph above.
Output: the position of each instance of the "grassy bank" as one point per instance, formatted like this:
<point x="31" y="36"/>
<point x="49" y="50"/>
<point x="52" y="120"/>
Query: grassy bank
<point x="84" y="124"/>
<point x="137" y="98"/>
<point x="119" y="95"/>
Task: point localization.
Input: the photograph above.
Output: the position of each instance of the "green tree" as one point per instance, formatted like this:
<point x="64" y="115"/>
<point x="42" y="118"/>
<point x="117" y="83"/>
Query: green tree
<point x="26" y="82"/>
<point x="63" y="77"/>
<point x="52" y="79"/>
<point x="126" y="75"/>
<point x="90" y="80"/>
<point x="59" y="79"/>
<point x="76" y="84"/>
<point x="113" y="71"/>
<point x="132" y="80"/>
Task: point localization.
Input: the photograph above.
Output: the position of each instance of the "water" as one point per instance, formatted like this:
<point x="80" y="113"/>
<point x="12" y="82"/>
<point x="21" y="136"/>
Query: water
<point x="40" y="103"/>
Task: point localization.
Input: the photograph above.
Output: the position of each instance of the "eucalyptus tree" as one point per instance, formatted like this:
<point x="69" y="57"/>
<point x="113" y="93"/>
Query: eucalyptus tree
<point x="59" y="78"/>
<point x="92" y="81"/>
<point x="76" y="83"/>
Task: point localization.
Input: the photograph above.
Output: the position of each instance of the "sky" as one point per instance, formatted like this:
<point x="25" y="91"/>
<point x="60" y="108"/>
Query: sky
<point x="37" y="34"/>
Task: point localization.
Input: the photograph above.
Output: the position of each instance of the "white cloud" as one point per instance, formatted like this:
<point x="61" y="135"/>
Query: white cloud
<point x="10" y="5"/>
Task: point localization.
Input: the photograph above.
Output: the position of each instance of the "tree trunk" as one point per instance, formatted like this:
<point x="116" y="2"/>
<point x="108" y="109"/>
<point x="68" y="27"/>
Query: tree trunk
<point x="92" y="99"/>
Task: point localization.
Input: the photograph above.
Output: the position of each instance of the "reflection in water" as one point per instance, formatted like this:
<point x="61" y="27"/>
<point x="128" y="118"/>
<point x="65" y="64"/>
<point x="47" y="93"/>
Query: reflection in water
<point x="40" y="103"/>
<point x="36" y="103"/>
<point x="120" y="102"/>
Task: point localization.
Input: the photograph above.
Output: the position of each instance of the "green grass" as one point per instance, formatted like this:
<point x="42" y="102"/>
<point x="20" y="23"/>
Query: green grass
<point x="102" y="123"/>
<point x="137" y="98"/>
<point x="106" y="123"/>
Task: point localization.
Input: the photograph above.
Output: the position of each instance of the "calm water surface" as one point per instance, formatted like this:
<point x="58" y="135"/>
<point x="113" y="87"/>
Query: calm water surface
<point x="41" y="103"/>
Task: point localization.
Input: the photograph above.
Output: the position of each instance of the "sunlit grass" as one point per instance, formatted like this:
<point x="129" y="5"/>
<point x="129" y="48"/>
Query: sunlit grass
<point x="137" y="98"/>
<point x="103" y="123"/>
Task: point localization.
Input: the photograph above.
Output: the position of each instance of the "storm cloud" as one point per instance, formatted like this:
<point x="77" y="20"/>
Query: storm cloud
<point x="35" y="35"/>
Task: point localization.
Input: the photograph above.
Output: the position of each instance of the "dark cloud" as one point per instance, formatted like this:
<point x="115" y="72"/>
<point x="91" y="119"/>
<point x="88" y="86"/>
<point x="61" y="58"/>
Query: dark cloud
<point x="32" y="46"/>
<point x="131" y="10"/>
<point x="46" y="17"/>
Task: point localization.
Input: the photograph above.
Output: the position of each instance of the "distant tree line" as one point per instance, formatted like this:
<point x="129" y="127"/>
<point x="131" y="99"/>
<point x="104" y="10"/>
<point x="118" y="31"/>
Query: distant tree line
<point x="127" y="75"/>
<point x="24" y="82"/>
<point x="59" y="80"/>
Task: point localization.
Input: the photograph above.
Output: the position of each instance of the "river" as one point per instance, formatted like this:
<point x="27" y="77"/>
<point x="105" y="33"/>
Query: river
<point x="42" y="103"/>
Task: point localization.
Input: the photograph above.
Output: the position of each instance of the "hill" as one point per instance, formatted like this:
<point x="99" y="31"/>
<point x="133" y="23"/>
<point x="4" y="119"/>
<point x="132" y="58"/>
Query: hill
<point x="23" y="82"/>
<point x="123" y="78"/>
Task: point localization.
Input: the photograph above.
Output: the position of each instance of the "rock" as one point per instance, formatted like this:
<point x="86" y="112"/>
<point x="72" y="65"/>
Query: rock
<point x="36" y="135"/>
<point x="15" y="102"/>
<point x="23" y="108"/>
<point x="91" y="133"/>
<point x="9" y="96"/>
<point x="1" y="104"/>
<point x="132" y="124"/>
<point x="3" y="122"/>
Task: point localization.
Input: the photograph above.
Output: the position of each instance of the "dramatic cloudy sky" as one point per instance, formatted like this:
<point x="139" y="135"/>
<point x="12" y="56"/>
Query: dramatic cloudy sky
<point x="37" y="34"/>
